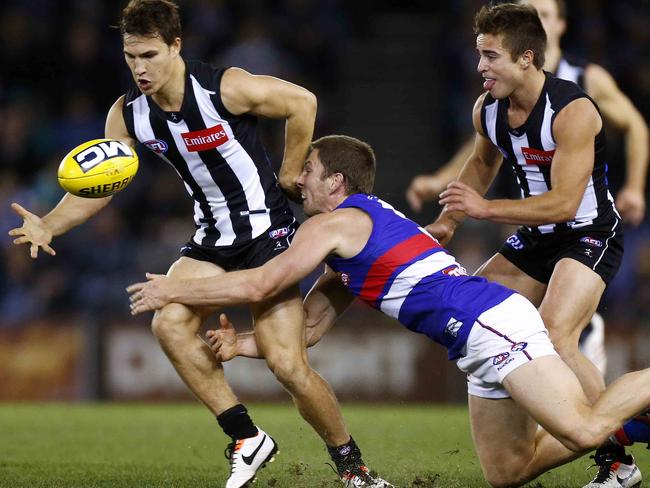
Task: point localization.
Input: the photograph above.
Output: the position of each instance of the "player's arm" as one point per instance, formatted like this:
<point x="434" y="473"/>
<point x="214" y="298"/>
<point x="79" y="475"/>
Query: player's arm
<point x="427" y="187"/>
<point x="325" y="302"/>
<point x="314" y="241"/>
<point x="477" y="173"/>
<point x="71" y="210"/>
<point x="574" y="129"/>
<point x="617" y="108"/>
<point x="271" y="97"/>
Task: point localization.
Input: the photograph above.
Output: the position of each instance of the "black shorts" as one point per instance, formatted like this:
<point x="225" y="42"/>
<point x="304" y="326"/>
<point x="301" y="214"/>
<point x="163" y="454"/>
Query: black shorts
<point x="252" y="254"/>
<point x="598" y="247"/>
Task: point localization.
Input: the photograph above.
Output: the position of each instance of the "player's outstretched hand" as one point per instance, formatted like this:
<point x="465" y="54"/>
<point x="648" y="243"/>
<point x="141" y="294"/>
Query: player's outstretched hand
<point x="223" y="342"/>
<point x="152" y="294"/>
<point x="459" y="197"/>
<point x="423" y="188"/>
<point x="33" y="231"/>
<point x="631" y="204"/>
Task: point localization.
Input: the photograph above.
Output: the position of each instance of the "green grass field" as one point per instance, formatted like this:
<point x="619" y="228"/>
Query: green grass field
<point x="180" y="445"/>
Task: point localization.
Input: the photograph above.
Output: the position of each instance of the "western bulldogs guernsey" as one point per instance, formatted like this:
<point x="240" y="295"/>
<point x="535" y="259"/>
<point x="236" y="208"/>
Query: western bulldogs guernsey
<point x="529" y="149"/>
<point x="406" y="274"/>
<point x="218" y="155"/>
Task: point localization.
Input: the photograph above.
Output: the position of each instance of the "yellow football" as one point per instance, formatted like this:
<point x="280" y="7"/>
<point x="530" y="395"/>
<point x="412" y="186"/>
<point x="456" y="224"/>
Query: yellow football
<point x="98" y="168"/>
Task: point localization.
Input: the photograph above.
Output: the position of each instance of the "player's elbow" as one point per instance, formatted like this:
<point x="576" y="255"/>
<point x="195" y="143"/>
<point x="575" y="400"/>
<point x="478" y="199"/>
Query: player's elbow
<point x="287" y="181"/>
<point x="309" y="102"/>
<point x="565" y="211"/>
<point x="261" y="290"/>
<point x="565" y="215"/>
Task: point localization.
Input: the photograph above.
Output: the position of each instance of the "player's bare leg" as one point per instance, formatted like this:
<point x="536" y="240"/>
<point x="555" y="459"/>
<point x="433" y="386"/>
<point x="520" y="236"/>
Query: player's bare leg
<point x="280" y="335"/>
<point x="571" y="299"/>
<point x="510" y="448"/>
<point x="566" y="305"/>
<point x="177" y="326"/>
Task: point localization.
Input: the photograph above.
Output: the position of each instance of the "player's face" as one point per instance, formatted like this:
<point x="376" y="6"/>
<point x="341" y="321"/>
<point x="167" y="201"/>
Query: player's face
<point x="314" y="189"/>
<point x="150" y="60"/>
<point x="500" y="73"/>
<point x="551" y="21"/>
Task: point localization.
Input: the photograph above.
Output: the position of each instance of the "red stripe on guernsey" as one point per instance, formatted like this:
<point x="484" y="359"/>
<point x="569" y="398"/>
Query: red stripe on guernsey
<point x="386" y="264"/>
<point x="645" y="418"/>
<point x="621" y="438"/>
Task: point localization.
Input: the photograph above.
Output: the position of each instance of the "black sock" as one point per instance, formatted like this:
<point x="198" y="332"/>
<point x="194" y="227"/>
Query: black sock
<point x="236" y="423"/>
<point x="610" y="453"/>
<point x="346" y="456"/>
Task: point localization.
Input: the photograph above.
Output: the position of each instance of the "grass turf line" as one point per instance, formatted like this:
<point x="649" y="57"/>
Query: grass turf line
<point x="180" y="445"/>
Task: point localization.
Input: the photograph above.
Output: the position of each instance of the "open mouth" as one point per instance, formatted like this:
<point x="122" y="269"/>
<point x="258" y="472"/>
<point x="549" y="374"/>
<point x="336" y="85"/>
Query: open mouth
<point x="144" y="84"/>
<point x="488" y="84"/>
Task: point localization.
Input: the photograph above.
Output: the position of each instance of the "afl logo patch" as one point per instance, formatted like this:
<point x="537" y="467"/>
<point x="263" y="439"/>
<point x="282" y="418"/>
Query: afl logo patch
<point x="590" y="241"/>
<point x="499" y="358"/>
<point x="157" y="145"/>
<point x="277" y="233"/>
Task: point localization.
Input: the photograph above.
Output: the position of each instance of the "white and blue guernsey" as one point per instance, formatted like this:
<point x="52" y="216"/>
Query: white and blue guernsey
<point x="404" y="272"/>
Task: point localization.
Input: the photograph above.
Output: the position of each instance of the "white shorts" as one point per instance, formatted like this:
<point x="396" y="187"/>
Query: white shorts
<point x="502" y="339"/>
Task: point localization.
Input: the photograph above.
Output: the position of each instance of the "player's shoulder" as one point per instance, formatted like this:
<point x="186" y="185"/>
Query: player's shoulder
<point x="328" y="226"/>
<point x="578" y="115"/>
<point x="562" y="92"/>
<point x="483" y="99"/>
<point x="117" y="108"/>
<point x="132" y="92"/>
<point x="119" y="103"/>
<point x="206" y="74"/>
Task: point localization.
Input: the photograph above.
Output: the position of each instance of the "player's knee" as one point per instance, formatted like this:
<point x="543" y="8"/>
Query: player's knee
<point x="174" y="322"/>
<point x="564" y="340"/>
<point x="290" y="369"/>
<point x="510" y="471"/>
<point x="502" y="479"/>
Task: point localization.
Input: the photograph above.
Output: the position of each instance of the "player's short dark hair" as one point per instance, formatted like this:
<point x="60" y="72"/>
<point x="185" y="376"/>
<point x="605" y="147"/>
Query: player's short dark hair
<point x="518" y="24"/>
<point x="151" y="18"/>
<point x="353" y="158"/>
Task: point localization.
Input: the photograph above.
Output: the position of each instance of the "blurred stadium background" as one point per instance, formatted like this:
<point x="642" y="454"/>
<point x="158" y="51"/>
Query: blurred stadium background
<point x="399" y="74"/>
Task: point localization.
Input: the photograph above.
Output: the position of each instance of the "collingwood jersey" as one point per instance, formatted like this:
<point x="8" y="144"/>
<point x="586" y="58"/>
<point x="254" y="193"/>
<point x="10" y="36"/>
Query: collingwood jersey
<point x="529" y="149"/>
<point x="218" y="155"/>
<point x="571" y="68"/>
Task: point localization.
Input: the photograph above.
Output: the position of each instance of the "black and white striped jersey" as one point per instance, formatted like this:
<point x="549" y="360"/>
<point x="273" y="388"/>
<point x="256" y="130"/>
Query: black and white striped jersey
<point x="571" y="68"/>
<point x="218" y="155"/>
<point x="529" y="149"/>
